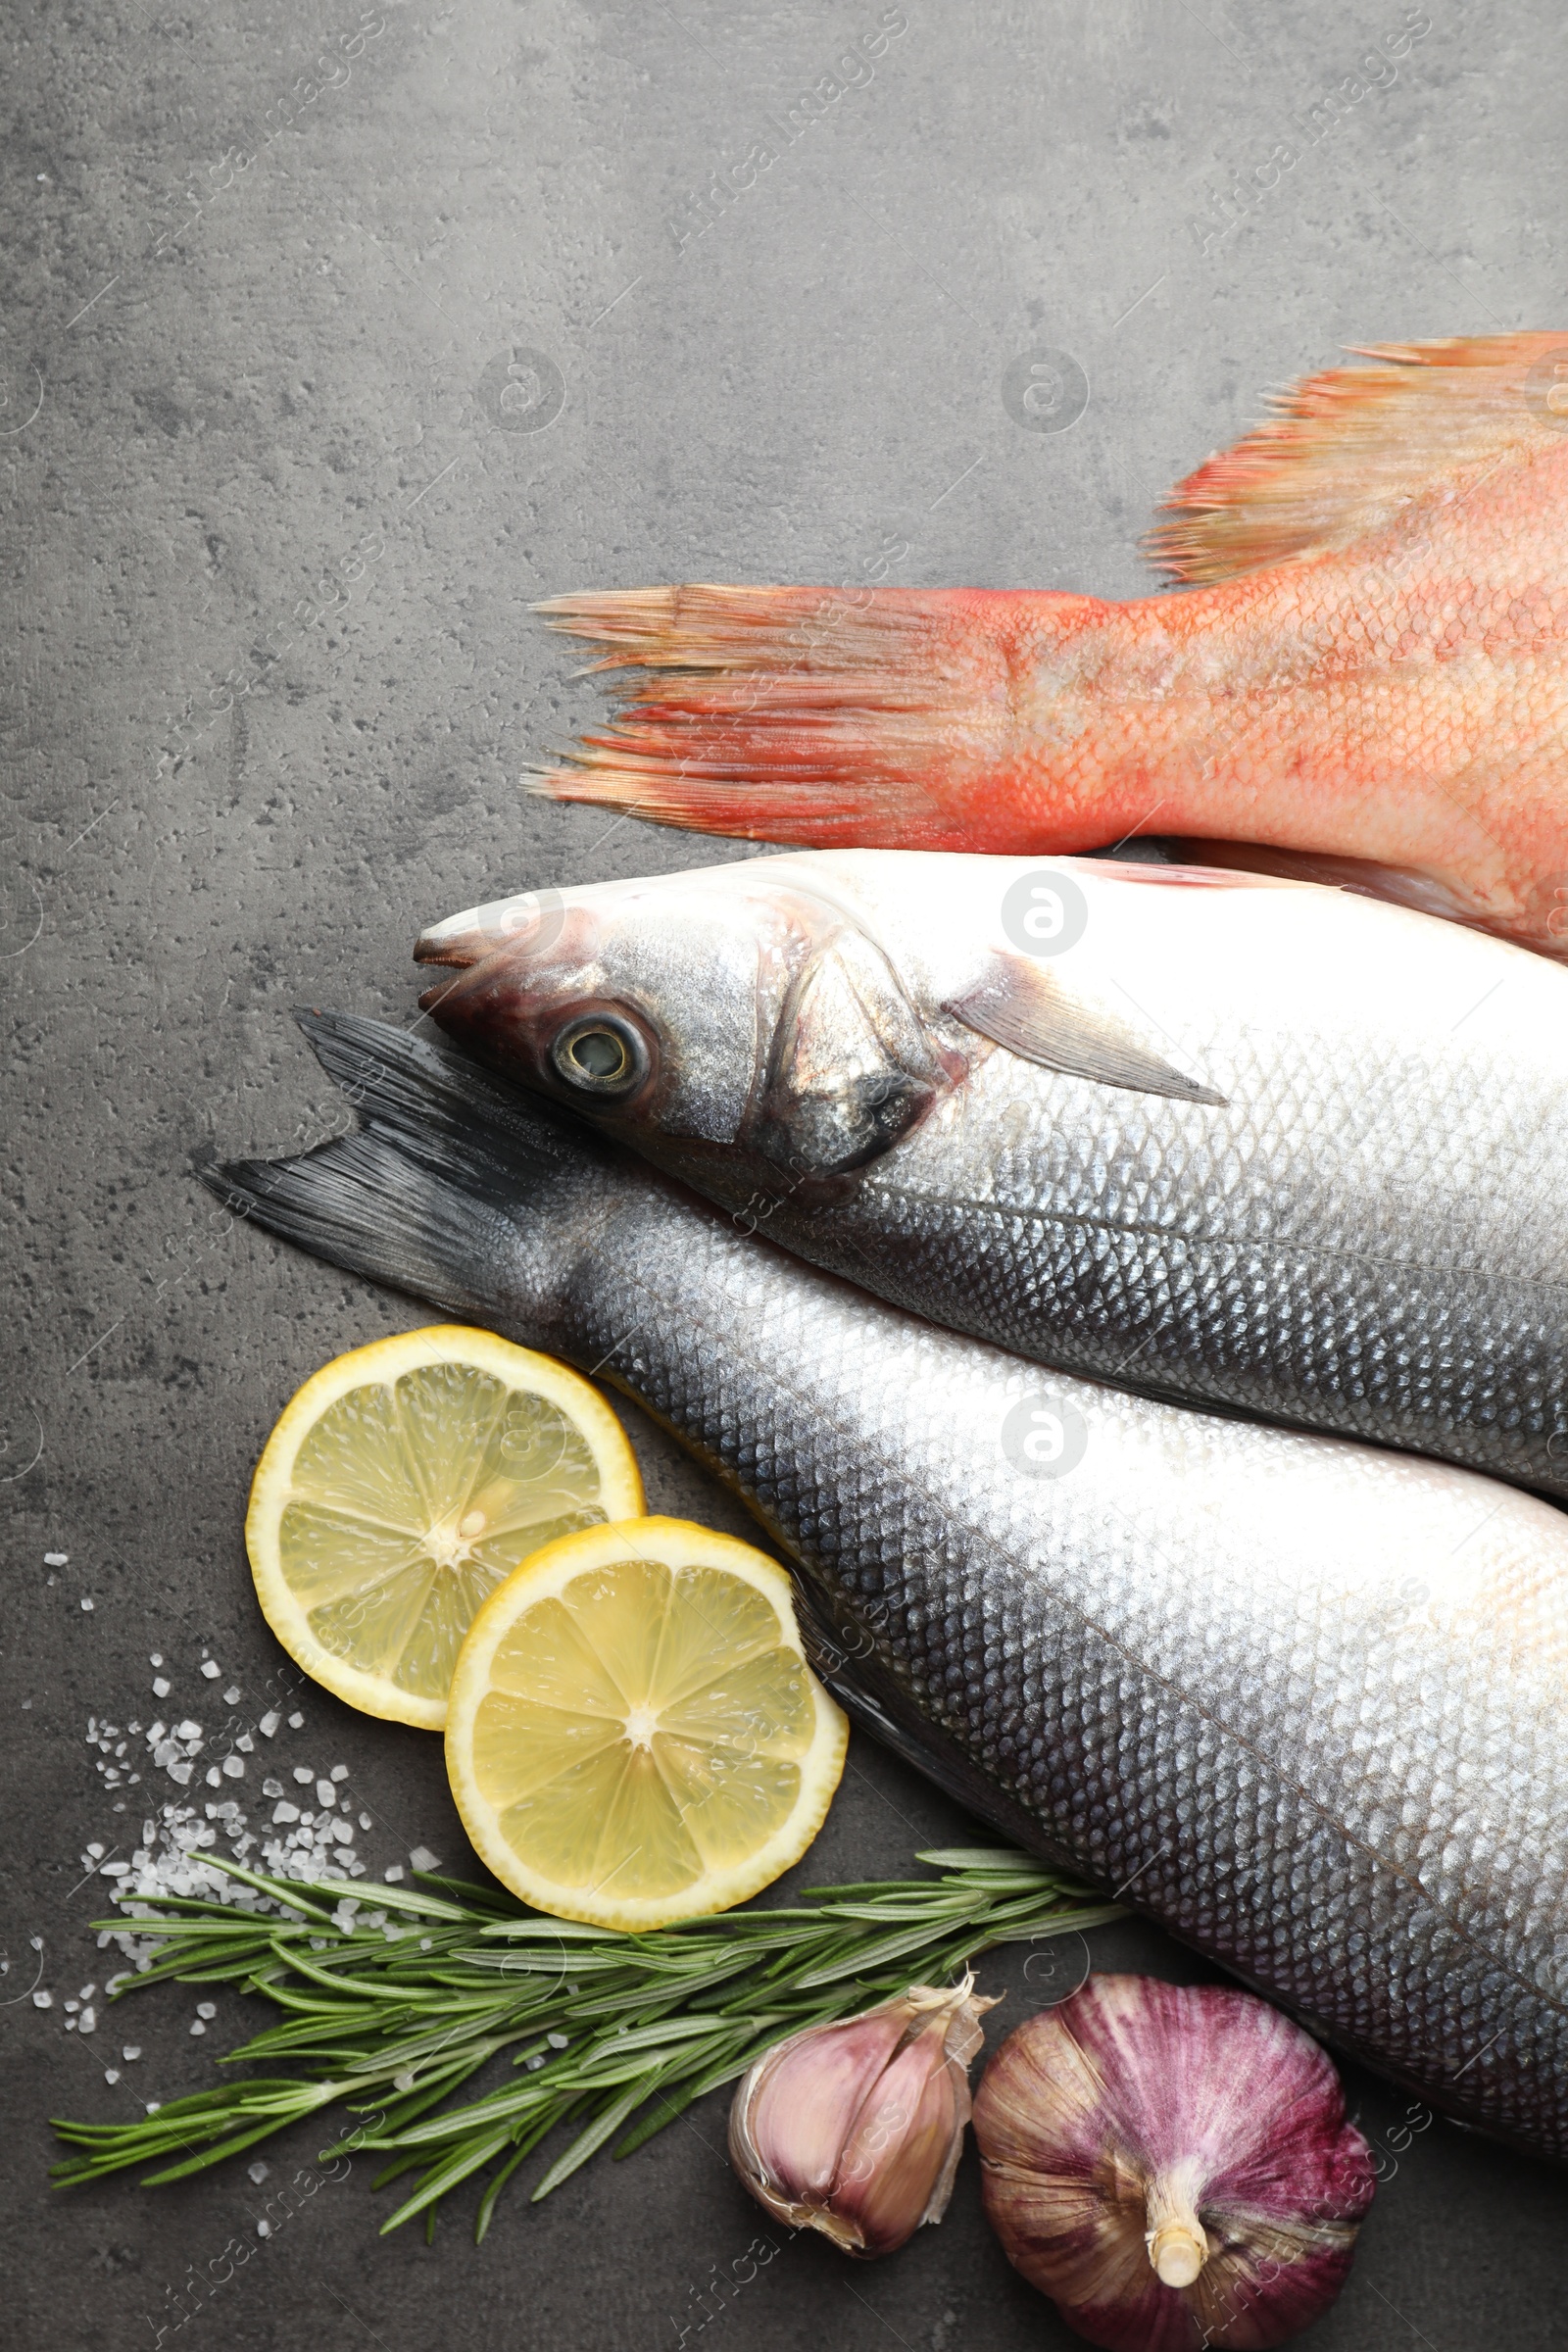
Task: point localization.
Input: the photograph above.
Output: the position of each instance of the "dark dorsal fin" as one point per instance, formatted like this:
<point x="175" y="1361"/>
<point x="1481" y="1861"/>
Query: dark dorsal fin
<point x="1026" y="1010"/>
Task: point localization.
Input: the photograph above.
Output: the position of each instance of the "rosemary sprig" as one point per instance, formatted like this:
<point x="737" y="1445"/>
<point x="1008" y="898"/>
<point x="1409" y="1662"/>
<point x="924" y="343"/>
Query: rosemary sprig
<point x="614" y="2033"/>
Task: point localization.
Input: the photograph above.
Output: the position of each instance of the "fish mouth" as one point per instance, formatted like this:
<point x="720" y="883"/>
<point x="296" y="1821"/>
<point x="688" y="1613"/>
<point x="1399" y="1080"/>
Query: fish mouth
<point x="514" y="933"/>
<point x="506" y="972"/>
<point x="532" y="919"/>
<point x="482" y="1001"/>
<point x="530" y="922"/>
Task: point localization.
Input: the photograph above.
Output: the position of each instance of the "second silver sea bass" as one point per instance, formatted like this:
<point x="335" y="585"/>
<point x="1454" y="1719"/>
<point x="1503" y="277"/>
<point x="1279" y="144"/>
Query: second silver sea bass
<point x="1298" y="1700"/>
<point x="1251" y="1144"/>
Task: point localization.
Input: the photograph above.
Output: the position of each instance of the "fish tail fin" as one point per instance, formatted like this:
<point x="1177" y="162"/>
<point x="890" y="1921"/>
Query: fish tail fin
<point x="424" y="1194"/>
<point x="870" y="716"/>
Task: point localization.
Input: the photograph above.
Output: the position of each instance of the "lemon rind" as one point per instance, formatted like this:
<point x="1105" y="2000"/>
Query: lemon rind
<point x="386" y="1360"/>
<point x="679" y="1544"/>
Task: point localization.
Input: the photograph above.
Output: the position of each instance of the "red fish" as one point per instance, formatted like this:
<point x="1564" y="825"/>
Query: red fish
<point x="1364" y="678"/>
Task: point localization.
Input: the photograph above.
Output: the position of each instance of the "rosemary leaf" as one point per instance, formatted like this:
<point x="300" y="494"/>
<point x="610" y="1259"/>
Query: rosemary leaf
<point x="617" y="2034"/>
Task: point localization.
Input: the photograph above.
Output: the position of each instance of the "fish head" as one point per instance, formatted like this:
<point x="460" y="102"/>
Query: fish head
<point x="729" y="1024"/>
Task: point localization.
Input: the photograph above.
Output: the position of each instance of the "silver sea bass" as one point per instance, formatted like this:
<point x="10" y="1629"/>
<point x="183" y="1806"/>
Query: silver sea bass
<point x="1256" y="1144"/>
<point x="1300" y="1699"/>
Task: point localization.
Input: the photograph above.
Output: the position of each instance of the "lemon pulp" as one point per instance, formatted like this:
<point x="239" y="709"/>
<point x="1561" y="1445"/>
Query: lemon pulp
<point x="634" y="1733"/>
<point x="402" y="1485"/>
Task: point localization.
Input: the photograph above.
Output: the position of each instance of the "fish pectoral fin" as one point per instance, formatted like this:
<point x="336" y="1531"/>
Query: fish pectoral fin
<point x="1346" y="450"/>
<point x="1029" y="1013"/>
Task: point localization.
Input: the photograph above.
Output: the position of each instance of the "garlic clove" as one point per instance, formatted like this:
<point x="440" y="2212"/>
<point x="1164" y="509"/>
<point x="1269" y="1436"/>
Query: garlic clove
<point x="1171" y="2163"/>
<point x="855" y="2129"/>
<point x="902" y="2151"/>
<point x="799" y="2098"/>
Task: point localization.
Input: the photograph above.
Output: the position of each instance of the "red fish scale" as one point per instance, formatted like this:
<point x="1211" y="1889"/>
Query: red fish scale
<point x="1389" y="683"/>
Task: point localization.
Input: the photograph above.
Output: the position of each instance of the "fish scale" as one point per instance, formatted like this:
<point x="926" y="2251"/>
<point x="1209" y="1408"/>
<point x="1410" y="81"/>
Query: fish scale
<point x="1139" y="1238"/>
<point x="1297" y="1699"/>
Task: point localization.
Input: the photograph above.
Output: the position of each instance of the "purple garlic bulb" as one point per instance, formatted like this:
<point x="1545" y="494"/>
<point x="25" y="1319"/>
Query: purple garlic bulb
<point x="1171" y="2165"/>
<point x="855" y="2129"/>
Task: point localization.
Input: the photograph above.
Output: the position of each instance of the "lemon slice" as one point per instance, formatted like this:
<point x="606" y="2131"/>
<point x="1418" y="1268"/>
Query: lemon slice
<point x="402" y="1485"/>
<point x="634" y="1736"/>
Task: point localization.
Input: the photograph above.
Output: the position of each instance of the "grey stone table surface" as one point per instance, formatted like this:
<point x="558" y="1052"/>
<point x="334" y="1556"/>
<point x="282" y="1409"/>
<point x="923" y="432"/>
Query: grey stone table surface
<point x="331" y="339"/>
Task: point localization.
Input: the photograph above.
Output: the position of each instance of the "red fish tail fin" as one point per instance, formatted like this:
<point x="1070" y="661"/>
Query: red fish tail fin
<point x="819" y="716"/>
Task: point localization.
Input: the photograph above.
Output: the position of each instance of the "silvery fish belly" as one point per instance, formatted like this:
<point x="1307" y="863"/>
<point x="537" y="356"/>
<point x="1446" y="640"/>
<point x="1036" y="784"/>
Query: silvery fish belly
<point x="1299" y="1699"/>
<point x="1252" y="1144"/>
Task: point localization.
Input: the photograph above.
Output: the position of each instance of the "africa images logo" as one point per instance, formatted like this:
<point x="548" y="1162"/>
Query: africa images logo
<point x="1045" y="390"/>
<point x="521" y="390"/>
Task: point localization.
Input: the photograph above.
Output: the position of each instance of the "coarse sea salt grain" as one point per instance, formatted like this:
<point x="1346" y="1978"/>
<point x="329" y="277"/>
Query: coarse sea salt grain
<point x="177" y="1838"/>
<point x="57" y="1559"/>
<point x="212" y="1669"/>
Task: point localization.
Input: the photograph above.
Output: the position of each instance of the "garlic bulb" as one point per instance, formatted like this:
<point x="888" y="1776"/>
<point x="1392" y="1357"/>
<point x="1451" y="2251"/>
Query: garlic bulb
<point x="855" y="2129"/>
<point x="1172" y="2165"/>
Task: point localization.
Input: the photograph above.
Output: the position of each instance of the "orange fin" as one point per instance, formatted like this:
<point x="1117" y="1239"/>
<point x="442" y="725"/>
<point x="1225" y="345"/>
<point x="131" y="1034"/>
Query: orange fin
<point x="1346" y="450"/>
<point x="1030" y="1014"/>
<point x="819" y="715"/>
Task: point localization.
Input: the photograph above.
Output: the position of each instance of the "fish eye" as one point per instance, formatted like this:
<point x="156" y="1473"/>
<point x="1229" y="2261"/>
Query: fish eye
<point x="600" y="1053"/>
